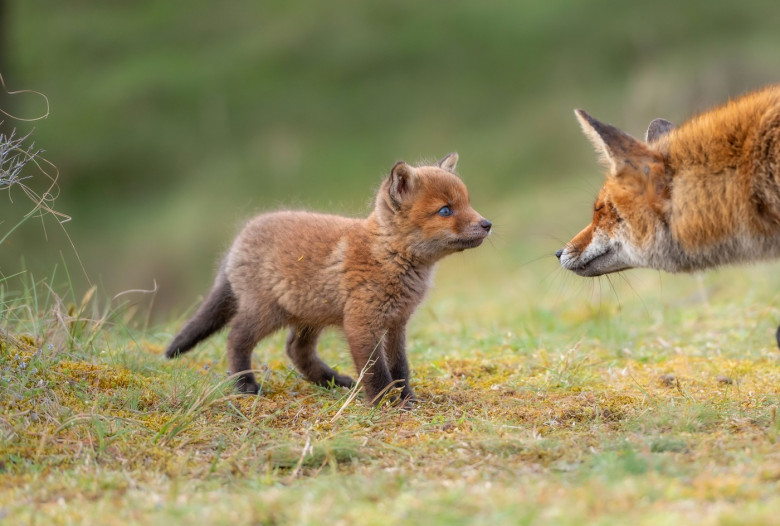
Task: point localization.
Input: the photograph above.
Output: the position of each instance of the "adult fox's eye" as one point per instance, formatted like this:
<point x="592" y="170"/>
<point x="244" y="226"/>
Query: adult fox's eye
<point x="445" y="211"/>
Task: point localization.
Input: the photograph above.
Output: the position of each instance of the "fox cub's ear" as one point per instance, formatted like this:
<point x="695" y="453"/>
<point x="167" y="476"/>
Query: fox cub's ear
<point x="449" y="162"/>
<point x="615" y="146"/>
<point x="658" y="128"/>
<point x="403" y="181"/>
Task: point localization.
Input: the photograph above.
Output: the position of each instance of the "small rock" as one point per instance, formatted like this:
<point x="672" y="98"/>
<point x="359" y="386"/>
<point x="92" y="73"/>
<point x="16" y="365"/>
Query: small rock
<point x="724" y="380"/>
<point x="669" y="380"/>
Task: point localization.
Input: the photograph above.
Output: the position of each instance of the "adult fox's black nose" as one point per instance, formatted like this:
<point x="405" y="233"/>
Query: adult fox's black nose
<point x="486" y="224"/>
<point x="558" y="254"/>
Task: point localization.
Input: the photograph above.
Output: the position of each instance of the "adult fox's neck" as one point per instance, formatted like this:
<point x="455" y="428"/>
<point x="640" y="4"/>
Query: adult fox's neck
<point x="724" y="139"/>
<point x="724" y="177"/>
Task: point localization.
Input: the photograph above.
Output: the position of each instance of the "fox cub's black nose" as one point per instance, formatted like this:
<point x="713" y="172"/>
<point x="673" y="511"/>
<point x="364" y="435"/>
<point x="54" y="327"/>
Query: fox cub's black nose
<point x="486" y="224"/>
<point x="558" y="254"/>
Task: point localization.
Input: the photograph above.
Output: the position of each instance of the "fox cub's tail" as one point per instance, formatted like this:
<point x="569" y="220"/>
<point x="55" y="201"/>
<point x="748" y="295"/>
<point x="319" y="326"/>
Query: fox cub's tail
<point x="217" y="309"/>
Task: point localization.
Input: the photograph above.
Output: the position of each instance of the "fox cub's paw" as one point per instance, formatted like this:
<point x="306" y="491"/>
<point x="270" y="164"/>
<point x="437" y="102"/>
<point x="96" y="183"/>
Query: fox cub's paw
<point x="403" y="400"/>
<point x="247" y="385"/>
<point x="342" y="380"/>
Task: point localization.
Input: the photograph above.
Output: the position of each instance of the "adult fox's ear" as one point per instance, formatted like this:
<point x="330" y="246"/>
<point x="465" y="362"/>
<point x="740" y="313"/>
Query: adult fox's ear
<point x="615" y="146"/>
<point x="630" y="161"/>
<point x="657" y="129"/>
<point x="402" y="182"/>
<point x="449" y="162"/>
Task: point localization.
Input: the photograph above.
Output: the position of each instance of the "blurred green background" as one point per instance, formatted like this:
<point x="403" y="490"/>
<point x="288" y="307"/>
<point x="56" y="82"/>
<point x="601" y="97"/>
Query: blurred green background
<point x="171" y="122"/>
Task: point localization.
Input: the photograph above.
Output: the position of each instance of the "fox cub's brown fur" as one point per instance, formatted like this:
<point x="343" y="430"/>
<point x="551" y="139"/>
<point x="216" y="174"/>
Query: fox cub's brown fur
<point x="307" y="271"/>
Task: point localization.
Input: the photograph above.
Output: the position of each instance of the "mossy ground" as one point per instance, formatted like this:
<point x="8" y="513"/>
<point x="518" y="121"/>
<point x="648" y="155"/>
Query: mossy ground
<point x="648" y="399"/>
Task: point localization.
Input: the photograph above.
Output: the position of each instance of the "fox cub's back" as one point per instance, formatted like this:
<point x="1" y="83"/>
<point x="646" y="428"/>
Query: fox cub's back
<point x="295" y="258"/>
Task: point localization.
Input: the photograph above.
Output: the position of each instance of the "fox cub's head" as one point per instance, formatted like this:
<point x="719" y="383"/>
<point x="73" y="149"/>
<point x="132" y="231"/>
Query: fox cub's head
<point x="628" y="226"/>
<point x="427" y="209"/>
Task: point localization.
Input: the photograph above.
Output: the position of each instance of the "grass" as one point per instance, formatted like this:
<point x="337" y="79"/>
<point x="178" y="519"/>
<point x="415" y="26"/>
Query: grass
<point x="650" y="400"/>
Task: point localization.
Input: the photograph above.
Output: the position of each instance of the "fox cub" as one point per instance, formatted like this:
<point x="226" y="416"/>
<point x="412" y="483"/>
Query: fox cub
<point x="307" y="271"/>
<point x="701" y="195"/>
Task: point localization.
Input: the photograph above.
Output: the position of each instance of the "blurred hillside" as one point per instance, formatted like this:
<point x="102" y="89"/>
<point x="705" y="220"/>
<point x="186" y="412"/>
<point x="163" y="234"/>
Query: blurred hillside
<point x="172" y="122"/>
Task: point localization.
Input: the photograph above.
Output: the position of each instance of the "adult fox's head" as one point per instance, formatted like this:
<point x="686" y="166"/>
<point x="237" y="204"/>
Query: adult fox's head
<point x="628" y="228"/>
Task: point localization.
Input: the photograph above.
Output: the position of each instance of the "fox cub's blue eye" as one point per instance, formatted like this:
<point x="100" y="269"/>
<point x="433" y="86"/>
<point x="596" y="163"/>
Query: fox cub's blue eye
<point x="445" y="211"/>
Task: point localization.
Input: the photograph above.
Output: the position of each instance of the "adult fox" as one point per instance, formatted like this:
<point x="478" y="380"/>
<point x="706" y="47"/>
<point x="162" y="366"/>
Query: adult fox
<point x="704" y="194"/>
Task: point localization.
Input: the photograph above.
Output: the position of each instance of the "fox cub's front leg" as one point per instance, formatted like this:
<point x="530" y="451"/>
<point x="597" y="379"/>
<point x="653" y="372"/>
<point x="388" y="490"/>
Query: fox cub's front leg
<point x="366" y="343"/>
<point x="395" y="351"/>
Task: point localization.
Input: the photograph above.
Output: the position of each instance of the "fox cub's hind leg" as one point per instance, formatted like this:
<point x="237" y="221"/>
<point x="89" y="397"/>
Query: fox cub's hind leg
<point x="246" y="330"/>
<point x="302" y="350"/>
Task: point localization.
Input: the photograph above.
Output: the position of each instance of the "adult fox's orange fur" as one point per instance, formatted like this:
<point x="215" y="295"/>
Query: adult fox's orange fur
<point x="307" y="271"/>
<point x="701" y="195"/>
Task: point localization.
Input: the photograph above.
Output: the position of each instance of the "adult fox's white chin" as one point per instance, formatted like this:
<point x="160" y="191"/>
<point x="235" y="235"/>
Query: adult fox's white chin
<point x="590" y="266"/>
